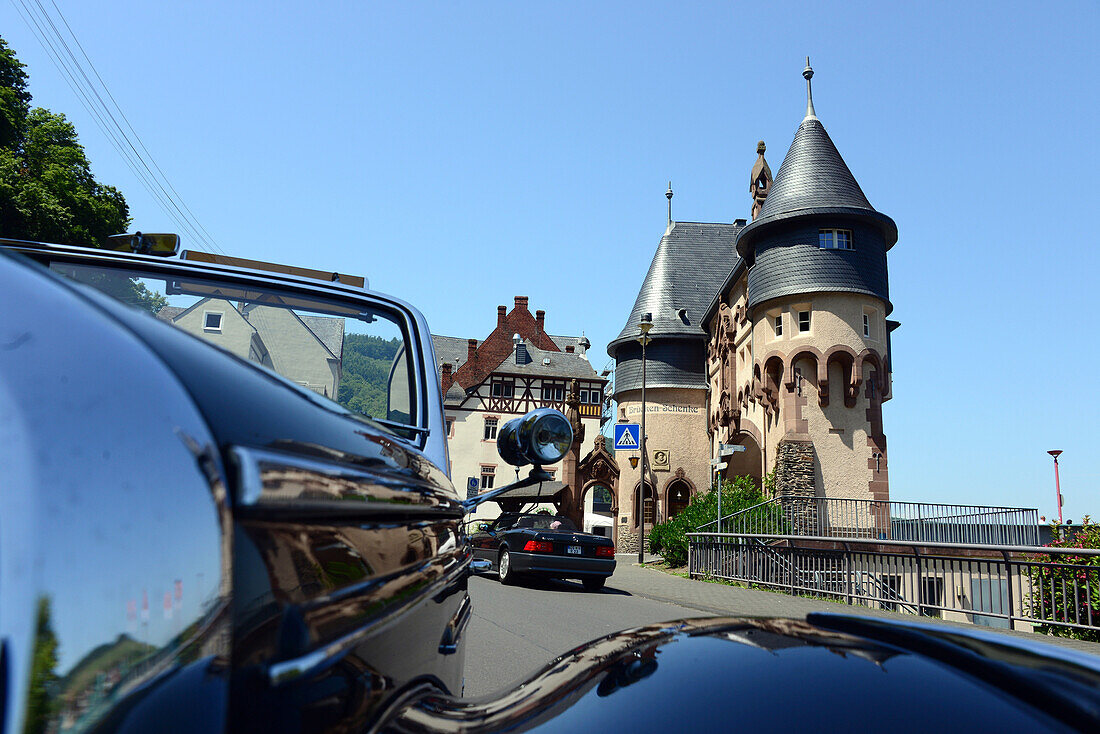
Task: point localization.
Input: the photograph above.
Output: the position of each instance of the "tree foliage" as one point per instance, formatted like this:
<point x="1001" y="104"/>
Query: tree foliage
<point x="47" y="190"/>
<point x="40" y="701"/>
<point x="364" y="380"/>
<point x="669" y="538"/>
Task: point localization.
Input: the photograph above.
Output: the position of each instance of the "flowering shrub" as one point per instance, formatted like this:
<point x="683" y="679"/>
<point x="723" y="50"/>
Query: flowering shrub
<point x="1069" y="590"/>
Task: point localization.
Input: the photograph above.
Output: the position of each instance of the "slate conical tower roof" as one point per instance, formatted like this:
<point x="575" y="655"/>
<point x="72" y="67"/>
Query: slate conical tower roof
<point x="689" y="266"/>
<point x="814" y="179"/>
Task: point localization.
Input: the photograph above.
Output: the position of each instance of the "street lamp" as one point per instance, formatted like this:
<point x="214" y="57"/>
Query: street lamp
<point x="1057" y="485"/>
<point x="643" y="326"/>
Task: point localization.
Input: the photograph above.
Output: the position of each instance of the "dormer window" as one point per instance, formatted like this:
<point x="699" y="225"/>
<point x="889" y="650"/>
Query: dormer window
<point x="834" y="239"/>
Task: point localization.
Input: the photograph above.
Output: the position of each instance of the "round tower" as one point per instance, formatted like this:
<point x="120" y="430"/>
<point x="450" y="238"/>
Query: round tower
<point x="687" y="270"/>
<point x="818" y="297"/>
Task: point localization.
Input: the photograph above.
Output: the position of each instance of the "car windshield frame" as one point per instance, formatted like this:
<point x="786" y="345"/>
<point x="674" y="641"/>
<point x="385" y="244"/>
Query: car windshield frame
<point x="333" y="298"/>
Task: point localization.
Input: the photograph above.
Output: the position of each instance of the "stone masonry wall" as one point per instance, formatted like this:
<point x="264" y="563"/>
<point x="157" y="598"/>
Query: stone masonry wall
<point x="794" y="477"/>
<point x="627" y="543"/>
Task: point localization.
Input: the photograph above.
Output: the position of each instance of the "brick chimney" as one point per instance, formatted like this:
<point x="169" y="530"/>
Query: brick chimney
<point x="540" y="319"/>
<point x="471" y="350"/>
<point x="521" y="303"/>
<point x="446" y="369"/>
<point x="502" y="312"/>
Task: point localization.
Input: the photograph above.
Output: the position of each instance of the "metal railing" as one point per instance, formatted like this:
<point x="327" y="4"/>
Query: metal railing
<point x="990" y="585"/>
<point x="884" y="520"/>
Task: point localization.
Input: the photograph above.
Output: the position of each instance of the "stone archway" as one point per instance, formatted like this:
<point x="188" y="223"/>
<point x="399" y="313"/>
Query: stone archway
<point x="747" y="462"/>
<point x="677" y="497"/>
<point x="598" y="469"/>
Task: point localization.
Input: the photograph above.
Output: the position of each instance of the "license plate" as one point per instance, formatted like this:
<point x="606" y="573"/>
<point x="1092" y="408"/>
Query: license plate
<point x="573" y="549"/>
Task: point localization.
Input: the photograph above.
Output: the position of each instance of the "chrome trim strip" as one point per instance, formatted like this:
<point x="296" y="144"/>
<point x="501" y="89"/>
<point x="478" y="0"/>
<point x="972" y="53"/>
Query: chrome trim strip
<point x="421" y="496"/>
<point x="322" y="658"/>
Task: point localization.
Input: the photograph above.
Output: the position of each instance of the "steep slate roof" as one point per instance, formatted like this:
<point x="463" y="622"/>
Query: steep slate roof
<point x="814" y="179"/>
<point x="562" y="364"/>
<point x="329" y="330"/>
<point x="692" y="261"/>
<point x="813" y="174"/>
<point x="450" y="349"/>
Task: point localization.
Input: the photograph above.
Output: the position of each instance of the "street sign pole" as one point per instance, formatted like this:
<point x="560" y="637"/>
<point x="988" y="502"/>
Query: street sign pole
<point x="641" y="507"/>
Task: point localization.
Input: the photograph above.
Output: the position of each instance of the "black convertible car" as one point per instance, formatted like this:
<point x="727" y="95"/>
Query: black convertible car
<point x="224" y="508"/>
<point x="550" y="546"/>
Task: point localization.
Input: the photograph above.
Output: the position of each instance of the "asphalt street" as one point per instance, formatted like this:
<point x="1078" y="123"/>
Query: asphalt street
<point x="516" y="630"/>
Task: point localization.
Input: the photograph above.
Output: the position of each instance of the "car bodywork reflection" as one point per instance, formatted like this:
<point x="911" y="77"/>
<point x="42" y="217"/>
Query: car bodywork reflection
<point x="99" y="626"/>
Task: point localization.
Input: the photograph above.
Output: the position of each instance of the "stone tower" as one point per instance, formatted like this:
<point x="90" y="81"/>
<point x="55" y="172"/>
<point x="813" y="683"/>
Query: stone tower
<point x="687" y="270"/>
<point x="818" y="297"/>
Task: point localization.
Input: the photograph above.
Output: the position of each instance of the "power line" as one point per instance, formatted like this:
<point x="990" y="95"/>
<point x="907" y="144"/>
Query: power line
<point x="128" y="125"/>
<point x="88" y="95"/>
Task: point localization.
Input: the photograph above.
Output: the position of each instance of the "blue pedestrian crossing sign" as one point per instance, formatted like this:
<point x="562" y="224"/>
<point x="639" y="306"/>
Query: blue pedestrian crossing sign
<point x="626" y="436"/>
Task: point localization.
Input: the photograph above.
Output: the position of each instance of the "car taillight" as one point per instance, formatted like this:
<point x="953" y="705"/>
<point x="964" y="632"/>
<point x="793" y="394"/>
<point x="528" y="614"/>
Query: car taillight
<point x="539" y="546"/>
<point x="605" y="551"/>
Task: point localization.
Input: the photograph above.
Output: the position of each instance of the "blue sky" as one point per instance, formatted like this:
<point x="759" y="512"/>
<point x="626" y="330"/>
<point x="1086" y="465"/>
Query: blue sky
<point x="459" y="154"/>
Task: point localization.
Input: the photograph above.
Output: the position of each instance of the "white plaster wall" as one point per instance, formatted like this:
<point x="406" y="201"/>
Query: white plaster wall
<point x="676" y="421"/>
<point x="469" y="451"/>
<point x="235" y="335"/>
<point x="837" y="319"/>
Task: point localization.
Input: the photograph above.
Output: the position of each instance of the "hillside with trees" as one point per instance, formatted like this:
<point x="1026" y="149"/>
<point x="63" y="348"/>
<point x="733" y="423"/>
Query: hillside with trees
<point x="365" y="378"/>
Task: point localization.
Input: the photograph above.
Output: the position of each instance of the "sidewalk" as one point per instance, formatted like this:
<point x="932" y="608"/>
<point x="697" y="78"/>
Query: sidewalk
<point x="724" y="600"/>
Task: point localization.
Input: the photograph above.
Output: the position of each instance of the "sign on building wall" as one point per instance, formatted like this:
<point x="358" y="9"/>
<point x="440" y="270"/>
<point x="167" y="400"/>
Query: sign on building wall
<point x="662" y="461"/>
<point x="657" y="408"/>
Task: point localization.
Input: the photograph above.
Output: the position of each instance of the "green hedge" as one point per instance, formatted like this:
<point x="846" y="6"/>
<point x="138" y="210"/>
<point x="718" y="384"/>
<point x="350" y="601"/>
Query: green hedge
<point x="669" y="538"/>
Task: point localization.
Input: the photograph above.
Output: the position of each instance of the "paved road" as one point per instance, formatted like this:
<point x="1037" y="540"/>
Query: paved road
<point x="515" y="630"/>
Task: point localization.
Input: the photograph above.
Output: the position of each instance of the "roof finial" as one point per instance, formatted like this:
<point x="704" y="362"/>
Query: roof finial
<point x="668" y="195"/>
<point x="808" y="73"/>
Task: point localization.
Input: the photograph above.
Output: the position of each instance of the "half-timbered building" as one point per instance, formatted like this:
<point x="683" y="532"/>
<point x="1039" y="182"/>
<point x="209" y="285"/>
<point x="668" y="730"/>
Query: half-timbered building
<point x="516" y="368"/>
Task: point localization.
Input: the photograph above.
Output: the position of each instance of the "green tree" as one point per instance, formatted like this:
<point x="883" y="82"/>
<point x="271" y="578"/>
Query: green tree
<point x="40" y="704"/>
<point x="15" y="100"/>
<point x="364" y="380"/>
<point x="47" y="190"/>
<point x="669" y="538"/>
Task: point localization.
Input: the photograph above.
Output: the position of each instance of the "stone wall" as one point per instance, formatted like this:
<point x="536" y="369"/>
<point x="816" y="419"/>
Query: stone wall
<point x="627" y="542"/>
<point x="795" y="466"/>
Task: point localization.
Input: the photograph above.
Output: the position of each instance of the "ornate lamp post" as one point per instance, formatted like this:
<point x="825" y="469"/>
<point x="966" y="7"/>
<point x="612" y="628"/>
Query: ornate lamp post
<point x="1055" y="454"/>
<point x="643" y="326"/>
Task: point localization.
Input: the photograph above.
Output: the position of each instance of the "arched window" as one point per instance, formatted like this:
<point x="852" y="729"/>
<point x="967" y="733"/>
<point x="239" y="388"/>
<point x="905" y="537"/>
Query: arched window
<point x="650" y="507"/>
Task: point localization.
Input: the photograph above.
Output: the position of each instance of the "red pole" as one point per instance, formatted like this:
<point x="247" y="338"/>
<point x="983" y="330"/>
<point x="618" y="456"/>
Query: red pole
<point x="1057" y="484"/>
<point x="1058" y="490"/>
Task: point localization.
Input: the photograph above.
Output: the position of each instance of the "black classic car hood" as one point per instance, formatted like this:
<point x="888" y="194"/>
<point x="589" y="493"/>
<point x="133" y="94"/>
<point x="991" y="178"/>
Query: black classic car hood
<point x="826" y="673"/>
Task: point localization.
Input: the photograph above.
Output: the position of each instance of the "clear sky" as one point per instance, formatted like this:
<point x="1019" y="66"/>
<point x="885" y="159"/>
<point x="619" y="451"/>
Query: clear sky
<point x="461" y="153"/>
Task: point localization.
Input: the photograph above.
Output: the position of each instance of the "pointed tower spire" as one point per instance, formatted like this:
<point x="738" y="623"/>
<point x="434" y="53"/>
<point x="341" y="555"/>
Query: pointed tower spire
<point x="668" y="195"/>
<point x="808" y="73"/>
